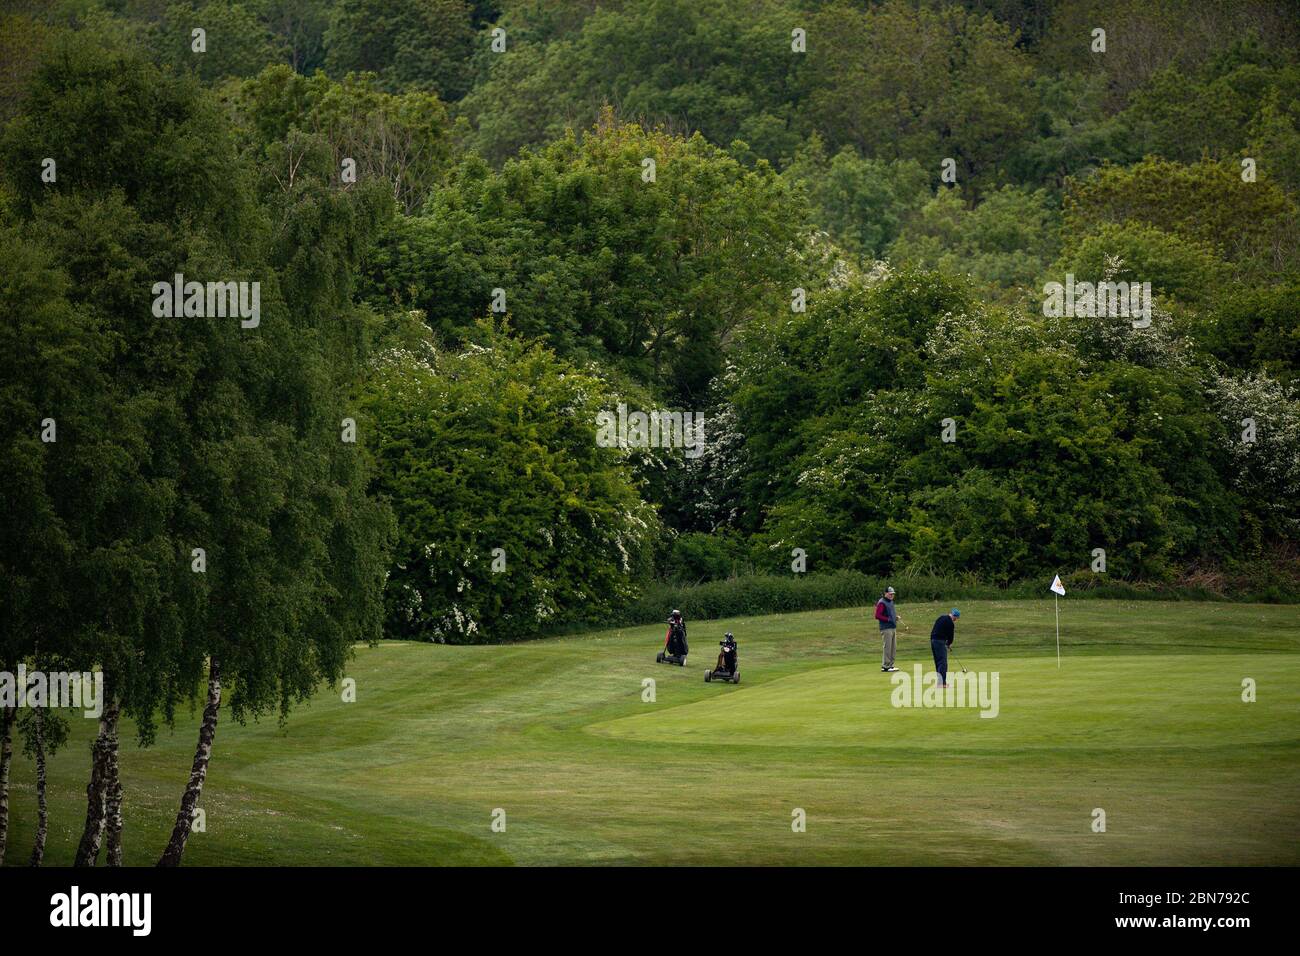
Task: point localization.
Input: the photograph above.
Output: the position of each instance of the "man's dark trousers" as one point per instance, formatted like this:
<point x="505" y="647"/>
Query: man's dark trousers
<point x="940" y="651"/>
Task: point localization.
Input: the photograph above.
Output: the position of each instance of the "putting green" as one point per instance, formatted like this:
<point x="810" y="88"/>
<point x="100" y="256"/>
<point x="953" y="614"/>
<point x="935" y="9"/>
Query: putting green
<point x="1096" y="703"/>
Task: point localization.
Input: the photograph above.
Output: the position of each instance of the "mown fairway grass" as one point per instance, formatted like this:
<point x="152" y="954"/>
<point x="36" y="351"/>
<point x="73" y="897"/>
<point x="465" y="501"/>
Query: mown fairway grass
<point x="1144" y="719"/>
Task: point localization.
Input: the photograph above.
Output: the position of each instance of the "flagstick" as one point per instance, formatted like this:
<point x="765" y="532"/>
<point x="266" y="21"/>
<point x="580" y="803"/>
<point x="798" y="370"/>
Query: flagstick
<point x="1057" y="597"/>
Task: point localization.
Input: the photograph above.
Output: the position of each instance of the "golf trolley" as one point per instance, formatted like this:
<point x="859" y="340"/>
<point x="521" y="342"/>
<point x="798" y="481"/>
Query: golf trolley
<point x="675" y="648"/>
<point x="728" y="668"/>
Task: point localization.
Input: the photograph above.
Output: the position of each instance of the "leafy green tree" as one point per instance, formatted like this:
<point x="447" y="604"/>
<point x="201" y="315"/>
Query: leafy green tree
<point x="401" y="139"/>
<point x="1144" y="37"/>
<point x="203" y="433"/>
<point x="1048" y="463"/>
<point x="976" y="523"/>
<point x="409" y="44"/>
<point x="1178" y="118"/>
<point x="511" y="515"/>
<point x="22" y="40"/>
<point x="795" y="376"/>
<point x="237" y="42"/>
<point x="299" y="29"/>
<point x="862" y="203"/>
<point x="1252" y="328"/>
<point x="539" y="22"/>
<point x="1185" y="269"/>
<point x="1028" y="18"/>
<point x="1261" y="419"/>
<point x="719" y="67"/>
<point x="39" y="344"/>
<point x="1240" y="103"/>
<point x="1060" y="445"/>
<point x="695" y="557"/>
<point x="1274" y="137"/>
<point x="1004" y="241"/>
<point x="596" y="261"/>
<point x="908" y="81"/>
<point x="1250" y="224"/>
<point x="1072" y="132"/>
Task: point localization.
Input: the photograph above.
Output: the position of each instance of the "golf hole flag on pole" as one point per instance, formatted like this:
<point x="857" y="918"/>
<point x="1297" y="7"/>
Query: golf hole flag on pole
<point x="1058" y="589"/>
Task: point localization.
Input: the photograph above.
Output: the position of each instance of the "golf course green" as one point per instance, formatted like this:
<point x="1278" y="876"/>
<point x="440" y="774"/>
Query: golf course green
<point x="1144" y="720"/>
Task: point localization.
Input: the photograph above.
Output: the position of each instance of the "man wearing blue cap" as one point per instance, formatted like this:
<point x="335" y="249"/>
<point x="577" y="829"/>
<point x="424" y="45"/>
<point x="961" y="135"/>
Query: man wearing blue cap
<point x="941" y="636"/>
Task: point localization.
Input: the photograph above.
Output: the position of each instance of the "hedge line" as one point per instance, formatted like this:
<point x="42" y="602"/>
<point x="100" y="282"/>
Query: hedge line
<point x="757" y="594"/>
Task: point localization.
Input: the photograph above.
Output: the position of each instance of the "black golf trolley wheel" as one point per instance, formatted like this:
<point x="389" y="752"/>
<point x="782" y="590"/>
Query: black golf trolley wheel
<point x="735" y="678"/>
<point x="708" y="676"/>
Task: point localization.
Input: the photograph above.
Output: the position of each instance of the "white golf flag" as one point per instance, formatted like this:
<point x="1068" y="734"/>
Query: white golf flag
<point x="1058" y="589"/>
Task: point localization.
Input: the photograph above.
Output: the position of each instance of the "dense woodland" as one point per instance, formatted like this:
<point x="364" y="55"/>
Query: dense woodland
<point x="837" y="256"/>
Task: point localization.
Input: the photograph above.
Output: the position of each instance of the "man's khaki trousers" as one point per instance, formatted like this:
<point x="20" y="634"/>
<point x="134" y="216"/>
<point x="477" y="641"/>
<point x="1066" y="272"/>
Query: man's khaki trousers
<point x="887" y="639"/>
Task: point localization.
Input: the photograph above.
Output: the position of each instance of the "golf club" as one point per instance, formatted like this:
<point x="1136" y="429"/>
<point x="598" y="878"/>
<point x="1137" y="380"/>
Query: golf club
<point x="959" y="663"/>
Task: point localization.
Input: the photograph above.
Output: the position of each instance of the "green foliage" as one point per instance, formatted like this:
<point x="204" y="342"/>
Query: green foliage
<point x="53" y="731"/>
<point x="1136" y="252"/>
<point x="22" y="41"/>
<point x="1004" y="241"/>
<point x="973" y="524"/>
<point x="49" y="351"/>
<point x="720" y="67"/>
<point x="1250" y="328"/>
<point x="598" y="263"/>
<point x="902" y="81"/>
<point x="494" y="448"/>
<point x="409" y="44"/>
<point x="1053" y="456"/>
<point x="860" y="202"/>
<point x="182" y="433"/>
<point x="696" y="556"/>
<point x="1072" y="132"/>
<point x="1144" y="37"/>
<point x="1183" y="120"/>
<point x="1274" y="139"/>
<point x="401" y="140"/>
<point x="1261" y="420"/>
<point x="796" y="378"/>
<point x="299" y="28"/>
<point x="823" y="427"/>
<point x="1242" y="102"/>
<point x="133" y="106"/>
<point x="236" y="41"/>
<point x="1252" y="225"/>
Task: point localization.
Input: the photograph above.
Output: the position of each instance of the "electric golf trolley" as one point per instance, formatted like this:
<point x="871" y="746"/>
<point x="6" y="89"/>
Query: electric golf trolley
<point x="728" y="668"/>
<point x="675" y="648"/>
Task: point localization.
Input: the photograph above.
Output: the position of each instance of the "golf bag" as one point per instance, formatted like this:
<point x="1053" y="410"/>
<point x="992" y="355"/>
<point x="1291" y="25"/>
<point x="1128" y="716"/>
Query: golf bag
<point x="675" y="647"/>
<point x="728" y="668"/>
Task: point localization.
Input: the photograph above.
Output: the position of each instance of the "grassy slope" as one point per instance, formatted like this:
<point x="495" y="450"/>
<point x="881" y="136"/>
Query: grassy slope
<point x="1144" y="720"/>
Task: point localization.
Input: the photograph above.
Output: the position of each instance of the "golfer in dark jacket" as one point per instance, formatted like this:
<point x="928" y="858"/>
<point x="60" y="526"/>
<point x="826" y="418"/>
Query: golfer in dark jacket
<point x="887" y="618"/>
<point x="941" y="636"/>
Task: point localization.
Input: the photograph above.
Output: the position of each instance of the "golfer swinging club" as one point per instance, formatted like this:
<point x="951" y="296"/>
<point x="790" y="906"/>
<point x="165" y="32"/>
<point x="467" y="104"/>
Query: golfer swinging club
<point x="941" y="636"/>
